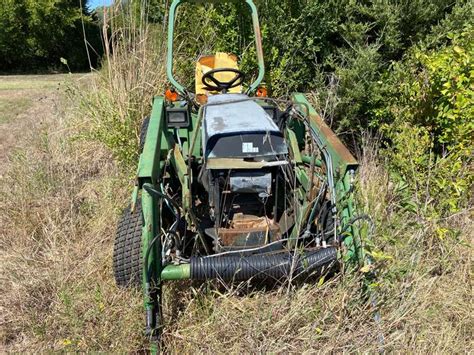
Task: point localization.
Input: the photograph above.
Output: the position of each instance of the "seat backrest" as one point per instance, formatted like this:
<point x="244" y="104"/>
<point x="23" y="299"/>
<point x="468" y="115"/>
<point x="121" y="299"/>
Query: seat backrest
<point x="210" y="62"/>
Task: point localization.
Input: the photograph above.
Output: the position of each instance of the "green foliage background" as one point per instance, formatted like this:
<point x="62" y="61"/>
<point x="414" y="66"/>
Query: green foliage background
<point x="35" y="34"/>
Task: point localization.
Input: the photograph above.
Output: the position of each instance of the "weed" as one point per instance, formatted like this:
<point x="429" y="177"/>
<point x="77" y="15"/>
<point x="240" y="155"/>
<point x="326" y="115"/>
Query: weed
<point x="120" y="96"/>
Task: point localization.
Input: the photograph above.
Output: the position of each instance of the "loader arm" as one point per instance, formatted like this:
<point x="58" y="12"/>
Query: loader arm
<point x="343" y="166"/>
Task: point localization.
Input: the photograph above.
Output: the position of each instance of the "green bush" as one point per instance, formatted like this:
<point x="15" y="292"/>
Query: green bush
<point x="429" y="123"/>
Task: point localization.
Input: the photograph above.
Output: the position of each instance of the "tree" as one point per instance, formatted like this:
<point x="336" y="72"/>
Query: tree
<point x="36" y="34"/>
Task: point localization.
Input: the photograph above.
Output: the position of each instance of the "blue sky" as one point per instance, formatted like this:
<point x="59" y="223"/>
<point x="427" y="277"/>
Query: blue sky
<point x="94" y="3"/>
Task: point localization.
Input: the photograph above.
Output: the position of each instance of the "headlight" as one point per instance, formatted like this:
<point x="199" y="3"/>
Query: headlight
<point x="177" y="117"/>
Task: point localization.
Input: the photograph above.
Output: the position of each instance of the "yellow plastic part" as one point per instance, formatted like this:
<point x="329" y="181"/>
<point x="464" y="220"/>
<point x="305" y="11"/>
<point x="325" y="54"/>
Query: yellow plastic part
<point x="210" y="62"/>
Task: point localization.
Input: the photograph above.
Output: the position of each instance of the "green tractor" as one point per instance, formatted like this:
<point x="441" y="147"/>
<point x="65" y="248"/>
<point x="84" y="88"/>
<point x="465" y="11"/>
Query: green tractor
<point x="235" y="186"/>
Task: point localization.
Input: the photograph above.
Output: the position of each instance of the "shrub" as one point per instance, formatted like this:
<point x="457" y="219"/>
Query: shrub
<point x="36" y="34"/>
<point x="431" y="129"/>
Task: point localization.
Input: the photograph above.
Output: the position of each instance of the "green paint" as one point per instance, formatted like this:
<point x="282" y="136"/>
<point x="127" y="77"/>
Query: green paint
<point x="195" y="147"/>
<point x="307" y="159"/>
<point x="169" y="66"/>
<point x="302" y="212"/>
<point x="195" y="136"/>
<point x="355" y="253"/>
<point x="176" y="272"/>
<point x="295" y="150"/>
<point x="341" y="157"/>
<point x="150" y="215"/>
<point x="303" y="178"/>
<point x="258" y="43"/>
<point x="343" y="164"/>
<point x="135" y="192"/>
<point x="149" y="165"/>
<point x="181" y="170"/>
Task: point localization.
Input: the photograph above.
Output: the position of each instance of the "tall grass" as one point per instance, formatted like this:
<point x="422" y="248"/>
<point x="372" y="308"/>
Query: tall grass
<point x="421" y="304"/>
<point x="133" y="71"/>
<point x="59" y="201"/>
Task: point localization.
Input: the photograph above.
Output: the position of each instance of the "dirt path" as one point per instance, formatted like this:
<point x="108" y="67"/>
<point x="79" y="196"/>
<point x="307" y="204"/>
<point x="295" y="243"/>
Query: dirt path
<point x="25" y="102"/>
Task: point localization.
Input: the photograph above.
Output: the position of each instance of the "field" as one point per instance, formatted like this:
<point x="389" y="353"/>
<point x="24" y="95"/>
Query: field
<point x="55" y="246"/>
<point x="61" y="195"/>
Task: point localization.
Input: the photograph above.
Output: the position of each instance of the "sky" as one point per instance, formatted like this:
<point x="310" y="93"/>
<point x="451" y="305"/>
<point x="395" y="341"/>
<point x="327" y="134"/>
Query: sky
<point x="94" y="3"/>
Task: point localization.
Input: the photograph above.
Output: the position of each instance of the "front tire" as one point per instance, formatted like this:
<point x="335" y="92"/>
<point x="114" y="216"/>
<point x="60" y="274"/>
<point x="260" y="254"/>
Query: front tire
<point x="143" y="132"/>
<point x="127" y="259"/>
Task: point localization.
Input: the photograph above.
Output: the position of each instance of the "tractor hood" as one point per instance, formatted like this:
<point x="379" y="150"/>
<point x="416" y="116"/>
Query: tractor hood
<point x="237" y="127"/>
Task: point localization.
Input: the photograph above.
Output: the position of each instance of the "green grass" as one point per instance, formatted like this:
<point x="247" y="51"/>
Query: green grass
<point x="11" y="107"/>
<point x="34" y="82"/>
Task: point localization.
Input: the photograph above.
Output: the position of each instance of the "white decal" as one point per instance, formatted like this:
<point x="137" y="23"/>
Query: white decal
<point x="249" y="148"/>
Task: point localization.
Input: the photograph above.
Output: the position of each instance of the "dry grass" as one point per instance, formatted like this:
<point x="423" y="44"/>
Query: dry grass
<point x="422" y="295"/>
<point x="11" y="108"/>
<point x="60" y="200"/>
<point x="32" y="82"/>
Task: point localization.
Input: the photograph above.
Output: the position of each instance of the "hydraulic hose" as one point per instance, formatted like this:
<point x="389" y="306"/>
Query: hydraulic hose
<point x="159" y="195"/>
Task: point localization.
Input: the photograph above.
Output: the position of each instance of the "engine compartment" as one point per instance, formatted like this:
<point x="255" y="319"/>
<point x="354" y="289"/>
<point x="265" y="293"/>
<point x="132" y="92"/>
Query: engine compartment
<point x="246" y="195"/>
<point x="242" y="202"/>
<point x="242" y="207"/>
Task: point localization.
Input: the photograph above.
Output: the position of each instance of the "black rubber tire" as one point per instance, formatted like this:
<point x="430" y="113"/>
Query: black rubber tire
<point x="127" y="260"/>
<point x="143" y="132"/>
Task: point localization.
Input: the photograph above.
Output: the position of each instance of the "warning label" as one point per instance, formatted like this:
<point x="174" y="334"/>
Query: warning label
<point x="249" y="148"/>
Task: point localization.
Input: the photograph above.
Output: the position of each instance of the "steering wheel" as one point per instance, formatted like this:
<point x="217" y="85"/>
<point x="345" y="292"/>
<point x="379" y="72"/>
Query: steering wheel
<point x="213" y="84"/>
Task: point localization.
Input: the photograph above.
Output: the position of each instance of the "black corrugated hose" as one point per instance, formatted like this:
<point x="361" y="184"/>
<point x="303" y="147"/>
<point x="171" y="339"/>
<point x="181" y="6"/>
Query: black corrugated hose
<point x="263" y="266"/>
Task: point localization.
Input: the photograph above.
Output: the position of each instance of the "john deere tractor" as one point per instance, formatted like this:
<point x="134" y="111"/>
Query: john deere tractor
<point x="235" y="186"/>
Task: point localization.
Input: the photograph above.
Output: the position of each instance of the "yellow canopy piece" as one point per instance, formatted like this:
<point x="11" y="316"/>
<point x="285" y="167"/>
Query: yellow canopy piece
<point x="210" y="62"/>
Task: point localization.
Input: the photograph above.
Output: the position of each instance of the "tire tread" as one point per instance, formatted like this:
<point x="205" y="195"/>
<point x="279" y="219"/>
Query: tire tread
<point x="127" y="257"/>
